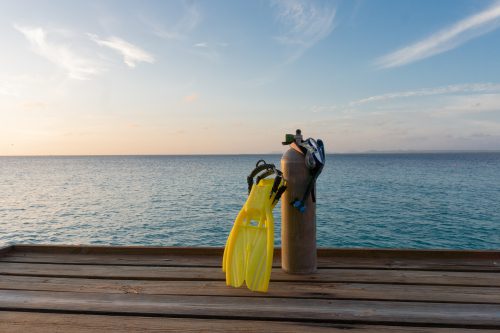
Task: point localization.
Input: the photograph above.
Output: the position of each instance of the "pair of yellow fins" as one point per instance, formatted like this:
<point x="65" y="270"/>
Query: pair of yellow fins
<point x="248" y="255"/>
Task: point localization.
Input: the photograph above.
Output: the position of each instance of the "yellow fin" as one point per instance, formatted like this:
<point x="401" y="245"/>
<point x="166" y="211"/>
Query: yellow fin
<point x="248" y="255"/>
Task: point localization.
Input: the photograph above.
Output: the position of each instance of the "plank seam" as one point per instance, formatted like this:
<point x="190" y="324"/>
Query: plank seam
<point x="263" y="319"/>
<point x="139" y="278"/>
<point x="212" y="250"/>
<point x="466" y="270"/>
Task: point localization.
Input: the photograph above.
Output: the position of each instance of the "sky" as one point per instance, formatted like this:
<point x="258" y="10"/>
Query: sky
<point x="233" y="77"/>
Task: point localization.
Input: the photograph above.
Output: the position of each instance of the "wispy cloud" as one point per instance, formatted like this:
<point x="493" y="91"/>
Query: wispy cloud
<point x="190" y="19"/>
<point x="450" y="118"/>
<point x="459" y="90"/>
<point x="76" y="66"/>
<point x="469" y="88"/>
<point x="446" y="39"/>
<point x="469" y="104"/>
<point x="305" y="22"/>
<point x="131" y="54"/>
<point x="209" y="51"/>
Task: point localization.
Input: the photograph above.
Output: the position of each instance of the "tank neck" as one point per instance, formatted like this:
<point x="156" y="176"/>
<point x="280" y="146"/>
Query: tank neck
<point x="295" y="147"/>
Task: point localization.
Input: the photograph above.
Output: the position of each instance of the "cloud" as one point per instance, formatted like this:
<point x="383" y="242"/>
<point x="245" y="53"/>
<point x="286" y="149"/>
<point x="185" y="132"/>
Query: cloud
<point x="305" y="23"/>
<point x="76" y="66"/>
<point x="448" y="121"/>
<point x="469" y="88"/>
<point x="209" y="51"/>
<point x="482" y="103"/>
<point x="187" y="23"/>
<point x="131" y="53"/>
<point x="463" y="91"/>
<point x="446" y="39"/>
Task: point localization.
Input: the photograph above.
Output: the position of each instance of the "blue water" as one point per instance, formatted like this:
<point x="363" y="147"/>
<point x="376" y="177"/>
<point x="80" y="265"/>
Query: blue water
<point x="375" y="200"/>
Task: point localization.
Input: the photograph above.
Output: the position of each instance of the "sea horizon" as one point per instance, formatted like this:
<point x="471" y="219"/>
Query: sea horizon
<point x="395" y="152"/>
<point x="386" y="200"/>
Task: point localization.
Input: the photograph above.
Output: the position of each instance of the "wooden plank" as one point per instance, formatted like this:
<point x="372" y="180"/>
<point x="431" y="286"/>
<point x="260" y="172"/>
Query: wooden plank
<point x="285" y="309"/>
<point x="405" y="254"/>
<point x="215" y="261"/>
<point x="15" y="322"/>
<point x="122" y="250"/>
<point x="214" y="274"/>
<point x="114" y="259"/>
<point x="277" y="289"/>
<point x="322" y="252"/>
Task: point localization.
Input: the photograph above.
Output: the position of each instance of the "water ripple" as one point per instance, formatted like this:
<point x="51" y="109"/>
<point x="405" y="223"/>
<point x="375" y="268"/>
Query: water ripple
<point x="403" y="200"/>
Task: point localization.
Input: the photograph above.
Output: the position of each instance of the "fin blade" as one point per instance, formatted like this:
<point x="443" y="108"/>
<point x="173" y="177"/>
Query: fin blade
<point x="256" y="261"/>
<point x="234" y="253"/>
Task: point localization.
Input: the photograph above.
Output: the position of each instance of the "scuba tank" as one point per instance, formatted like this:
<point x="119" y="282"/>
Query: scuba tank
<point x="301" y="164"/>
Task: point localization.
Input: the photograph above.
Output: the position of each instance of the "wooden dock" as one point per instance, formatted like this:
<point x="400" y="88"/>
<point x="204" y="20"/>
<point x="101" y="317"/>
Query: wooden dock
<point x="145" y="289"/>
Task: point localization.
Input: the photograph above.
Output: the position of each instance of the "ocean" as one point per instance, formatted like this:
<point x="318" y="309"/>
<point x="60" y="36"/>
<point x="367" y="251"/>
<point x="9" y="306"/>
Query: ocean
<point x="418" y="200"/>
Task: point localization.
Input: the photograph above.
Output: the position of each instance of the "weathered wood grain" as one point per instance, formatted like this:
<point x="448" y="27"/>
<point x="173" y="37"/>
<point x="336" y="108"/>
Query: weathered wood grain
<point x="121" y="250"/>
<point x="15" y="322"/>
<point x="132" y="289"/>
<point x="215" y="261"/>
<point x="312" y="310"/>
<point x="351" y="291"/>
<point x="322" y="252"/>
<point x="214" y="274"/>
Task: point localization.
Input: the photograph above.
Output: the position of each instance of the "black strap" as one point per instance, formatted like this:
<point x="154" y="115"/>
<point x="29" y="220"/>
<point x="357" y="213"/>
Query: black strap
<point x="277" y="182"/>
<point x="310" y="189"/>
<point x="263" y="170"/>
<point x="260" y="166"/>
<point x="279" y="192"/>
